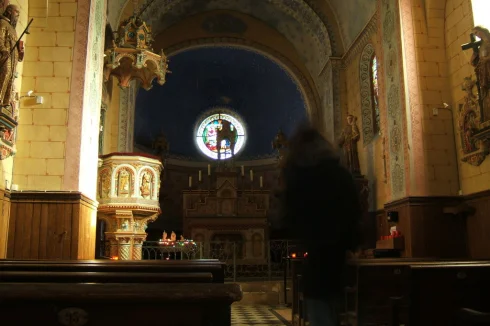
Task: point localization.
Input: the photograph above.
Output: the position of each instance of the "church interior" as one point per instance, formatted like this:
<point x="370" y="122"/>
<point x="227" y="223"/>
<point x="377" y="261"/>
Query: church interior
<point x="142" y="141"/>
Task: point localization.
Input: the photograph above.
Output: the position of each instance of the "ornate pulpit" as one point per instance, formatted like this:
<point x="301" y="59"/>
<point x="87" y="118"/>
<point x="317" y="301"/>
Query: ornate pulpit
<point x="128" y="195"/>
<point x="230" y="214"/>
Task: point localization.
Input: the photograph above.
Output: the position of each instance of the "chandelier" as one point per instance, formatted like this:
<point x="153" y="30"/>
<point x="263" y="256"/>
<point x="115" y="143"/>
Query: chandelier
<point x="130" y="57"/>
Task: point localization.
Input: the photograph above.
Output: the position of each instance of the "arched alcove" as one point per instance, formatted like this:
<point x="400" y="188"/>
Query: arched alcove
<point x="258" y="89"/>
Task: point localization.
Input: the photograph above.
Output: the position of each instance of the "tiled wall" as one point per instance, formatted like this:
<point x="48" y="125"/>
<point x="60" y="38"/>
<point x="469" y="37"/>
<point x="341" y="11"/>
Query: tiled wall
<point x="39" y="164"/>
<point x="440" y="161"/>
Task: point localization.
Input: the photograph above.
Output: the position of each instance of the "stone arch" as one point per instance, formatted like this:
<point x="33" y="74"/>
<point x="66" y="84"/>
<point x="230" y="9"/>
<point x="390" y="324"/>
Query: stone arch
<point x="310" y="17"/>
<point x="154" y="180"/>
<point x="309" y="95"/>
<point x="366" y="87"/>
<point x="132" y="173"/>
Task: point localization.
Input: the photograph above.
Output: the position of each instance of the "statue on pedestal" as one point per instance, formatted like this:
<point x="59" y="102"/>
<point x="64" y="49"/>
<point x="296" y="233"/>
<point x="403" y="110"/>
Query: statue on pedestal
<point x="348" y="142"/>
<point x="11" y="53"/>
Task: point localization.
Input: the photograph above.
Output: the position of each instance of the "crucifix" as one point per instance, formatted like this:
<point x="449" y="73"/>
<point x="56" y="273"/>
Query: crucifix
<point x="475" y="59"/>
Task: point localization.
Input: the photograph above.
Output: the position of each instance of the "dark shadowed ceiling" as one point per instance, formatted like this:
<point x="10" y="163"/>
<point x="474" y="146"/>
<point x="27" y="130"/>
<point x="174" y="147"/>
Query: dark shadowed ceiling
<point x="253" y="86"/>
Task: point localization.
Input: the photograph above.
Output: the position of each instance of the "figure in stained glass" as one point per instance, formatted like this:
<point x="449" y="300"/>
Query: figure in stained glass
<point x="220" y="136"/>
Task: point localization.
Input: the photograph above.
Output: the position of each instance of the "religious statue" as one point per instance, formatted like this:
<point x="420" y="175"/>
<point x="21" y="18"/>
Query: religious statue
<point x="160" y="145"/>
<point x="173" y="236"/>
<point x="182" y="238"/>
<point x="164" y="235"/>
<point x="348" y="142"/>
<point x="11" y="53"/>
<point x="469" y="125"/>
<point x="123" y="186"/>
<point x="280" y="144"/>
<point x="225" y="132"/>
<point x="481" y="61"/>
<point x="145" y="187"/>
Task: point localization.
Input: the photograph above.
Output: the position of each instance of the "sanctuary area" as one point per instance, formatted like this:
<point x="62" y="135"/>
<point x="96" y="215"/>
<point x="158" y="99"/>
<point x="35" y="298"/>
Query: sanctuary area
<point x="142" y="141"/>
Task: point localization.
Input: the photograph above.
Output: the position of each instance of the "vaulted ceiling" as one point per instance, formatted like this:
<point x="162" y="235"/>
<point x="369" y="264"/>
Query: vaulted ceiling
<point x="317" y="28"/>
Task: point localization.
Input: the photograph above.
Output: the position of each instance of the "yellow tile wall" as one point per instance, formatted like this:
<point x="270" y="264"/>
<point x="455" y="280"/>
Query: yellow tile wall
<point x="441" y="168"/>
<point x="458" y="25"/>
<point x="39" y="164"/>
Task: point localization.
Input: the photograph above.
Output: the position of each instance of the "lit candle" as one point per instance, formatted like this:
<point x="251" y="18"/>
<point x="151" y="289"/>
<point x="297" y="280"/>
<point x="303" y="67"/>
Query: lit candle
<point x="209" y="169"/>
<point x="243" y="170"/>
<point x="251" y="175"/>
<point x="261" y="182"/>
<point x="190" y="181"/>
<point x="200" y="176"/>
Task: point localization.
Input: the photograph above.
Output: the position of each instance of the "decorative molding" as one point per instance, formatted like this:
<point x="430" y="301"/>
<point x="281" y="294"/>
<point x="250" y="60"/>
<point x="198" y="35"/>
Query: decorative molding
<point x="337" y="66"/>
<point x="361" y="41"/>
<point x="327" y="22"/>
<point x="366" y="88"/>
<point x="62" y="197"/>
<point x="390" y="34"/>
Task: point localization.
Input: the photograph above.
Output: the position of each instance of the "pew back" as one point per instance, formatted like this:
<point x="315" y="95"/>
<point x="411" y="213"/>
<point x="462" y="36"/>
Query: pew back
<point x="418" y="292"/>
<point x="108" y="271"/>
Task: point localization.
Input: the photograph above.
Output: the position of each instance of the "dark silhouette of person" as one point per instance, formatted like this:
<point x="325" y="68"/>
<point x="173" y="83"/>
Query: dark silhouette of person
<point x="321" y="204"/>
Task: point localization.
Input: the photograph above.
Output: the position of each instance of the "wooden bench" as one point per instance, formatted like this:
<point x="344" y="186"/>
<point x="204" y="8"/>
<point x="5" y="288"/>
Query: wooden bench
<point x="418" y="292"/>
<point x="206" y="266"/>
<point x="115" y="292"/>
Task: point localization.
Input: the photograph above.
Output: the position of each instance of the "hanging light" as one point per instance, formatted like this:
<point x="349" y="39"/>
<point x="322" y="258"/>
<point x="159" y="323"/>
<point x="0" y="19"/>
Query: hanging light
<point x="131" y="57"/>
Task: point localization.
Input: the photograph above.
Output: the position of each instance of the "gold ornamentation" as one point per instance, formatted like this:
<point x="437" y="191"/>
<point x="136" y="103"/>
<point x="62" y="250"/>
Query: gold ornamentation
<point x="146" y="184"/>
<point x="474" y="150"/>
<point x="131" y="56"/>
<point x="104" y="183"/>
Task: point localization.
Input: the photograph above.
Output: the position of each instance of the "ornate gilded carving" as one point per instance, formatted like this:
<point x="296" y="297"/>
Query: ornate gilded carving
<point x="125" y="182"/>
<point x="126" y="211"/>
<point x="131" y="56"/>
<point x="474" y="151"/>
<point x="12" y="52"/>
<point x="481" y="61"/>
<point x="104" y="183"/>
<point x="147" y="184"/>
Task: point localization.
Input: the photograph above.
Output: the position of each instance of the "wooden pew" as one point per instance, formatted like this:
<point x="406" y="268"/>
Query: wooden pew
<point x="177" y="304"/>
<point x="441" y="290"/>
<point x="116" y="292"/>
<point x="418" y="292"/>
<point x="199" y="270"/>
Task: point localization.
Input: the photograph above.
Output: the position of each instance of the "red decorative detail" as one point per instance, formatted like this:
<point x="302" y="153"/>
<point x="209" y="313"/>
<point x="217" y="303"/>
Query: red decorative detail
<point x="130" y="155"/>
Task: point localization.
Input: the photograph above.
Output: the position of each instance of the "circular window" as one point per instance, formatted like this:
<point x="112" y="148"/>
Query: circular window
<point x="207" y="135"/>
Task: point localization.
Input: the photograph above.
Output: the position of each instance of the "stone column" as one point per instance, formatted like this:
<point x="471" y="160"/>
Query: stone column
<point x="125" y="252"/>
<point x="138" y="247"/>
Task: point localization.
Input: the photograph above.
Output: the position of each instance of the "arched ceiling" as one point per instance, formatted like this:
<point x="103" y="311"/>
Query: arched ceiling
<point x="314" y="27"/>
<point x="250" y="84"/>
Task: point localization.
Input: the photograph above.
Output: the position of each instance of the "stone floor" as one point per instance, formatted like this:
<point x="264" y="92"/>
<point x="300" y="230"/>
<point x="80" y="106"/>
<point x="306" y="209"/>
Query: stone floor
<point x="259" y="315"/>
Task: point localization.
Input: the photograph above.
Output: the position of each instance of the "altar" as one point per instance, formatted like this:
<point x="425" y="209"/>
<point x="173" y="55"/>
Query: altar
<point x="229" y="221"/>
